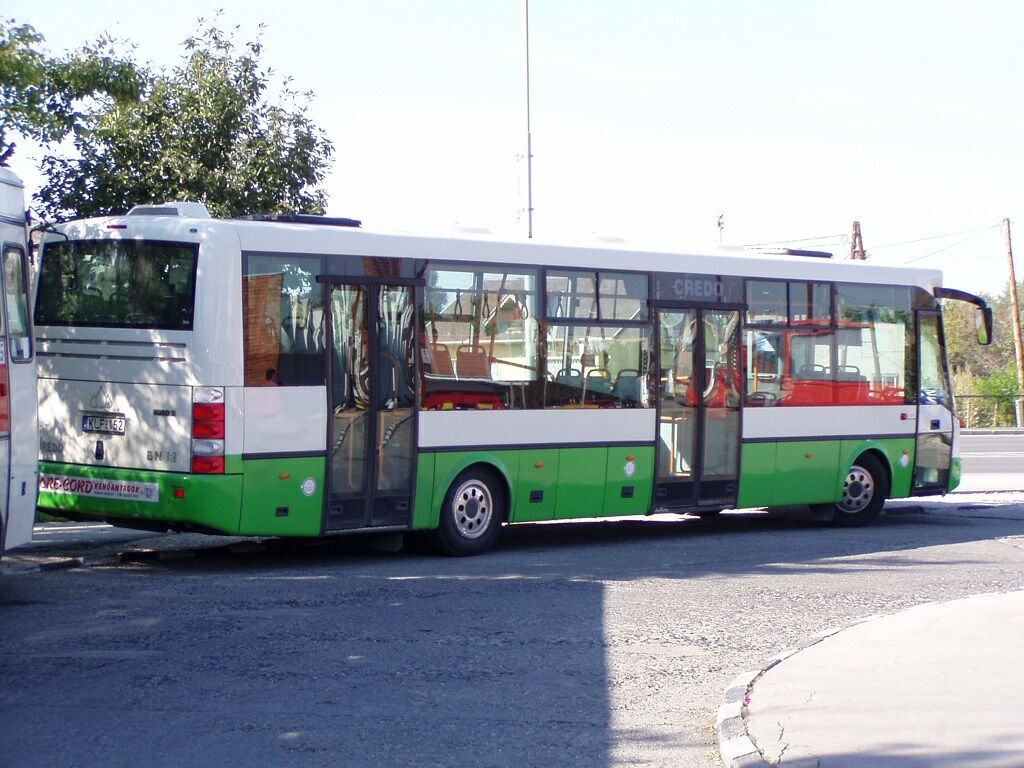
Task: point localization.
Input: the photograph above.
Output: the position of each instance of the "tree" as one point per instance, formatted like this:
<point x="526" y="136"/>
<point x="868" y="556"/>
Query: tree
<point x="965" y="354"/>
<point x="203" y="131"/>
<point x="40" y="96"/>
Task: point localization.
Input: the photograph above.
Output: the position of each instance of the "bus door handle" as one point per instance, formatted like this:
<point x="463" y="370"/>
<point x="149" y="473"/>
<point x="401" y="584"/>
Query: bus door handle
<point x="936" y="424"/>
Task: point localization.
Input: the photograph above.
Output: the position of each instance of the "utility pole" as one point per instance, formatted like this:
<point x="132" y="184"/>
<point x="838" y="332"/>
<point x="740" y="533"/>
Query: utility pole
<point x="529" y="138"/>
<point x="857" y="244"/>
<point x="1018" y="345"/>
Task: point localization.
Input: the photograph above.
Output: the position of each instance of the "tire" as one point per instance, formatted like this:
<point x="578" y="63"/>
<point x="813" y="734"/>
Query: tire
<point x="865" y="490"/>
<point x="472" y="513"/>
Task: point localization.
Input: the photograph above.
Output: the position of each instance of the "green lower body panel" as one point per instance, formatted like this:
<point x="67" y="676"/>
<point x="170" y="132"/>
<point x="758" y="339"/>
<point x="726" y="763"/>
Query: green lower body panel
<point x="546" y="483"/>
<point x="207" y="501"/>
<point x="955" y="473"/>
<point x="283" y="497"/>
<point x="268" y="497"/>
<point x="800" y="472"/>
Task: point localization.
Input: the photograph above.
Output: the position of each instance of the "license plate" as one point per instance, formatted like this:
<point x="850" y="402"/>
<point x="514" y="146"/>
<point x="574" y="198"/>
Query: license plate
<point x="106" y="425"/>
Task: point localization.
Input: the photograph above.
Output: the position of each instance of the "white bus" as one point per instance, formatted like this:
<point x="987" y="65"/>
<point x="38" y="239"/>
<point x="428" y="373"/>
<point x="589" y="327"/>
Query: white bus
<point x="19" y="445"/>
<point x="298" y="375"/>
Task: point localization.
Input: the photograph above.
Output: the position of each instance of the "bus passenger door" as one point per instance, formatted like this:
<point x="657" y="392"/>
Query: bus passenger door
<point x="698" y="408"/>
<point x="371" y="435"/>
<point x="5" y="442"/>
<point x="934" y="452"/>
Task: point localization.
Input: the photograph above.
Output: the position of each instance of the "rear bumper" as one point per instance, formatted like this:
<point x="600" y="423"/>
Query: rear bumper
<point x="147" y="499"/>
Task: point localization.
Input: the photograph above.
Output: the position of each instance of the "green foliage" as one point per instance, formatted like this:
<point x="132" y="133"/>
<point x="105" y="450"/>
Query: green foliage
<point x="204" y="131"/>
<point x="998" y="393"/>
<point x="987" y="375"/>
<point x="1000" y="383"/>
<point x="40" y="96"/>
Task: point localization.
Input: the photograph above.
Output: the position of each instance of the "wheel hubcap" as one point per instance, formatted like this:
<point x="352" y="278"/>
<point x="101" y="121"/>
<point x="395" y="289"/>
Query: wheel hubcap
<point x="472" y="508"/>
<point x="858" y="490"/>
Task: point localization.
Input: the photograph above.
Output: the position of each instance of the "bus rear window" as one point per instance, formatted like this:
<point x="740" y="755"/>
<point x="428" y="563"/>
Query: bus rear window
<point x="117" y="283"/>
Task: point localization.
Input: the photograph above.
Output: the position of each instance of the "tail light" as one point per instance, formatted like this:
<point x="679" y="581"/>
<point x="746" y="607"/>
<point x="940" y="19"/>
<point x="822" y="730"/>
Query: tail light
<point x="208" y="429"/>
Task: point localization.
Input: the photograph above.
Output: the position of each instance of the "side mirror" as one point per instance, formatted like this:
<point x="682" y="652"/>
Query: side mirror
<point x="983" y="324"/>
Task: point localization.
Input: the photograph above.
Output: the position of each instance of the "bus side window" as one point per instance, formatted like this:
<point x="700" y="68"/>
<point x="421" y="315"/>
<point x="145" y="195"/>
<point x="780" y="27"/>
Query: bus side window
<point x="18" y="335"/>
<point x="284" y="321"/>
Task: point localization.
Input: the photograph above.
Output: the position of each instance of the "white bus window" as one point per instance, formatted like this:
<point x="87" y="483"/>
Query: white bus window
<point x="571" y="295"/>
<point x="934" y="386"/>
<point x="622" y="296"/>
<point x="117" y="284"/>
<point x="16" y="320"/>
<point x="763" y="361"/>
<point x="598" y="296"/>
<point x="875" y="341"/>
<point x="810" y="303"/>
<point x="284" y="322"/>
<point x="766" y="303"/>
<point x="597" y="367"/>
<point x="478" y="338"/>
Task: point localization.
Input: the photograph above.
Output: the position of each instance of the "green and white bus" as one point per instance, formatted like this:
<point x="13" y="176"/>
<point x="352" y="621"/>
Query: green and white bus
<point x="19" y="445"/>
<point x="301" y="376"/>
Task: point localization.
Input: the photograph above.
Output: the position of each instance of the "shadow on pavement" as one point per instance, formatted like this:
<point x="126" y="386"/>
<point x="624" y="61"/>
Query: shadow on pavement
<point x="327" y="653"/>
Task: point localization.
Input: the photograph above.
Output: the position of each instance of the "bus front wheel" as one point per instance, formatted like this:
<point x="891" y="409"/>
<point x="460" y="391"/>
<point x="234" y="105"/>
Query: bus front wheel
<point x="865" y="489"/>
<point x="471" y="515"/>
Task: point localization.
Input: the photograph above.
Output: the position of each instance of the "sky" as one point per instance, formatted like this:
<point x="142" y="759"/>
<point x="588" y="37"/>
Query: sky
<point x="649" y="119"/>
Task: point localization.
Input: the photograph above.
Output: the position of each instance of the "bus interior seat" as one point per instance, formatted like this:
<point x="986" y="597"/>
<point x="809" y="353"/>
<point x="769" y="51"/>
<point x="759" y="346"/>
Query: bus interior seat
<point x="627" y="386"/>
<point x="570" y="377"/>
<point x="471" y="362"/>
<point x="441" y="361"/>
<point x="599" y="381"/>
<point x="814" y="373"/>
<point x="850" y="373"/>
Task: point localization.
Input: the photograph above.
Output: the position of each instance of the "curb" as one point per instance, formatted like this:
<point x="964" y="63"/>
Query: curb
<point x="62" y="564"/>
<point x="17" y="564"/>
<point x="735" y="746"/>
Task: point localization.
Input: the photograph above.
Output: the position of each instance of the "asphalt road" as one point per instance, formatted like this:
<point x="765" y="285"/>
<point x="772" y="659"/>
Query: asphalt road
<point x="604" y="644"/>
<point x="992" y="462"/>
<point x="993" y="453"/>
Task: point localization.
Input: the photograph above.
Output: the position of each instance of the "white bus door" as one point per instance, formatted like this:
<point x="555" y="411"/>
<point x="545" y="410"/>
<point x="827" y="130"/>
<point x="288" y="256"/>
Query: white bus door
<point x="5" y="452"/>
<point x="19" y="435"/>
<point x="935" y="407"/>
<point x="698" y="408"/>
<point x="372" y="399"/>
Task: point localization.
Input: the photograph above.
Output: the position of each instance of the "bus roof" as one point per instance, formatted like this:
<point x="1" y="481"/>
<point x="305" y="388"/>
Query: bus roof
<point x="310" y="239"/>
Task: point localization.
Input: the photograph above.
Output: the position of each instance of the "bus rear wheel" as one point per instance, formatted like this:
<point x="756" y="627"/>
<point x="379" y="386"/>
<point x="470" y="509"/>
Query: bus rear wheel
<point x="472" y="513"/>
<point x="864" y="492"/>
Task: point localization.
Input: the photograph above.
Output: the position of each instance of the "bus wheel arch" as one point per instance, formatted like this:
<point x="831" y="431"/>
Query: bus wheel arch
<point x="473" y="511"/>
<point x="866" y="485"/>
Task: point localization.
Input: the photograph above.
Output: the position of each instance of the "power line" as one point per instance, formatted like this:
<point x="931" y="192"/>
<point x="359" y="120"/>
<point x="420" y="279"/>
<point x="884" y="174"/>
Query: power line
<point x="935" y="237"/>
<point x="798" y="240"/>
<point x="977" y="234"/>
<point x="840" y="238"/>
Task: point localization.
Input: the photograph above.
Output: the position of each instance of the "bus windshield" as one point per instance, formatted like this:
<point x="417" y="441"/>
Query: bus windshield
<point x="117" y="283"/>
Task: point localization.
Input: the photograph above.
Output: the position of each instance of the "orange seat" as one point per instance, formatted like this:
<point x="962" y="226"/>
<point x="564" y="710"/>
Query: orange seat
<point x="441" y="361"/>
<point x="471" y="362"/>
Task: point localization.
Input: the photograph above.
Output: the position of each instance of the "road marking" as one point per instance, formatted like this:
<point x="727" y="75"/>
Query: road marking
<point x="994" y="454"/>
